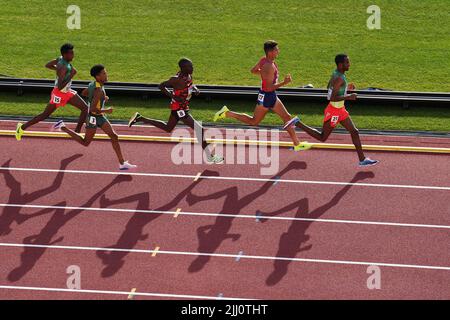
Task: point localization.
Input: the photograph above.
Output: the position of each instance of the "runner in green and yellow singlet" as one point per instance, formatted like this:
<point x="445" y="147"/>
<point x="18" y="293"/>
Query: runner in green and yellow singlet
<point x="96" y="118"/>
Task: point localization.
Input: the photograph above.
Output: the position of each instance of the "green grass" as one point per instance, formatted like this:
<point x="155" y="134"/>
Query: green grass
<point x="142" y="40"/>
<point x="376" y="117"/>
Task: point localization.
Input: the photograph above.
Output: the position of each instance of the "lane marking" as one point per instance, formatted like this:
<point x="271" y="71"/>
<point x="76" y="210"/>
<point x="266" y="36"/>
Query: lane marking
<point x="225" y="255"/>
<point x="166" y="175"/>
<point x="197" y="176"/>
<point x="233" y="216"/>
<point x="130" y="296"/>
<point x="145" y="294"/>
<point x="177" y="213"/>
<point x="220" y="296"/>
<point x="282" y="144"/>
<point x="154" y="252"/>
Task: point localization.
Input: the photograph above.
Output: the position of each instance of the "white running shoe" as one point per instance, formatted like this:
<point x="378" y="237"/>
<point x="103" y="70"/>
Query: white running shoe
<point x="58" y="125"/>
<point x="126" y="166"/>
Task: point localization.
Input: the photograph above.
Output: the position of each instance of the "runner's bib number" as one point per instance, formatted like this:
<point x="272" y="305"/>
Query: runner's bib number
<point x="93" y="121"/>
<point x="56" y="99"/>
<point x="181" y="113"/>
<point x="261" y="98"/>
<point x="334" y="119"/>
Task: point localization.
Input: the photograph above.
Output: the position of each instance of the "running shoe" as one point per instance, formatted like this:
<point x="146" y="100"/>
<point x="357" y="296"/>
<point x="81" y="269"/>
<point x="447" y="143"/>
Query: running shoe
<point x="134" y="119"/>
<point x="58" y="125"/>
<point x="216" y="159"/>
<point x="19" y="132"/>
<point x="126" y="166"/>
<point x="221" y="113"/>
<point x="367" y="162"/>
<point x="302" y="146"/>
<point x="291" y="123"/>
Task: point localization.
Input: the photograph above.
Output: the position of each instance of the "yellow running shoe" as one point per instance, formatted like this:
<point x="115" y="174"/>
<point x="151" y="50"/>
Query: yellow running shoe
<point x="19" y="132"/>
<point x="302" y="146"/>
<point x="221" y="113"/>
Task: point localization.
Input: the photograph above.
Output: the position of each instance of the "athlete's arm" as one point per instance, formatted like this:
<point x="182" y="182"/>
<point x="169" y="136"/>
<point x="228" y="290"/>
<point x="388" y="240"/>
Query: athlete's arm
<point x="256" y="69"/>
<point x="337" y="83"/>
<point x="171" y="83"/>
<point x="60" y="72"/>
<point x="267" y="74"/>
<point x="52" y="64"/>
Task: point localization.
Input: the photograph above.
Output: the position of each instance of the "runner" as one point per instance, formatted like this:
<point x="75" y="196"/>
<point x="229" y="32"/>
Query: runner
<point x="62" y="92"/>
<point x="267" y="98"/>
<point x="96" y="118"/>
<point x="183" y="88"/>
<point x="335" y="112"/>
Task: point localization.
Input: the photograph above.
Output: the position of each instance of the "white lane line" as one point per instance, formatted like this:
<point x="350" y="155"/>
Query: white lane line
<point x="145" y="294"/>
<point x="239" y="216"/>
<point x="166" y="175"/>
<point x="233" y="256"/>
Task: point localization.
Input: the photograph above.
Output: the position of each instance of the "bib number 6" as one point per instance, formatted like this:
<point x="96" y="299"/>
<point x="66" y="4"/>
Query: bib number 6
<point x="181" y="113"/>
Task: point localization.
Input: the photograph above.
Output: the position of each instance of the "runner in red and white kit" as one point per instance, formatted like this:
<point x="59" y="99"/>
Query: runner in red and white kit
<point x="62" y="92"/>
<point x="183" y="88"/>
<point x="267" y="97"/>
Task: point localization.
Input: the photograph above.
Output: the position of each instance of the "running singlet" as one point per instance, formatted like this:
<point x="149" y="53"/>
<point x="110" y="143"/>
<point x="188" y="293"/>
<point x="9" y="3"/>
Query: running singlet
<point x="263" y="61"/>
<point x="342" y="90"/>
<point x="185" y="94"/>
<point x="101" y="102"/>
<point x="68" y="68"/>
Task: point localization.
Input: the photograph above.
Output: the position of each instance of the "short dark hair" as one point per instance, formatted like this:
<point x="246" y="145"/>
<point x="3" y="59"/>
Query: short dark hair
<point x="340" y="58"/>
<point x="66" y="47"/>
<point x="183" y="61"/>
<point x="95" y="70"/>
<point x="269" y="45"/>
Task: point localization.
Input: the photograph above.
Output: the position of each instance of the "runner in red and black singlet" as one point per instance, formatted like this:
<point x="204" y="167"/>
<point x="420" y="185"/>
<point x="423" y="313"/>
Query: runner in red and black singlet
<point x="62" y="92"/>
<point x="183" y="88"/>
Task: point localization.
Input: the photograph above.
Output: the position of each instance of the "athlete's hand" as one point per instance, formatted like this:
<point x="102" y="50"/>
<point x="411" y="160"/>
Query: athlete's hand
<point x="287" y="79"/>
<point x="108" y="110"/>
<point x="351" y="86"/>
<point x="353" y="97"/>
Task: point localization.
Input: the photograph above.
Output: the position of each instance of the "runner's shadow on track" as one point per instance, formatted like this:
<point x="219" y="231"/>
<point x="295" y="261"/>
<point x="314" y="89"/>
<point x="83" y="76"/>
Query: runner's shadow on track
<point x="13" y="214"/>
<point x="211" y="236"/>
<point x="295" y="239"/>
<point x="58" y="220"/>
<point x="134" y="230"/>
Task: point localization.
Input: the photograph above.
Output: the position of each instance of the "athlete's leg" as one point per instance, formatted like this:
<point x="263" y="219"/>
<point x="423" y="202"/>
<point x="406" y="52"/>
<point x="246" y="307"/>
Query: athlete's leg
<point x="108" y="129"/>
<point x="88" y="136"/>
<point x="282" y="112"/>
<point x="350" y="126"/>
<point x="167" y="127"/>
<point x="49" y="109"/>
<point x="258" y="115"/>
<point x="192" y="123"/>
<point x="321" y="136"/>
<point x="79" y="103"/>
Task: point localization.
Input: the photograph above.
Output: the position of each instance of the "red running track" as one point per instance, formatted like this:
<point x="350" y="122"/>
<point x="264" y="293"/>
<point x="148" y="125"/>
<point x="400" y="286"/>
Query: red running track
<point x="401" y="224"/>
